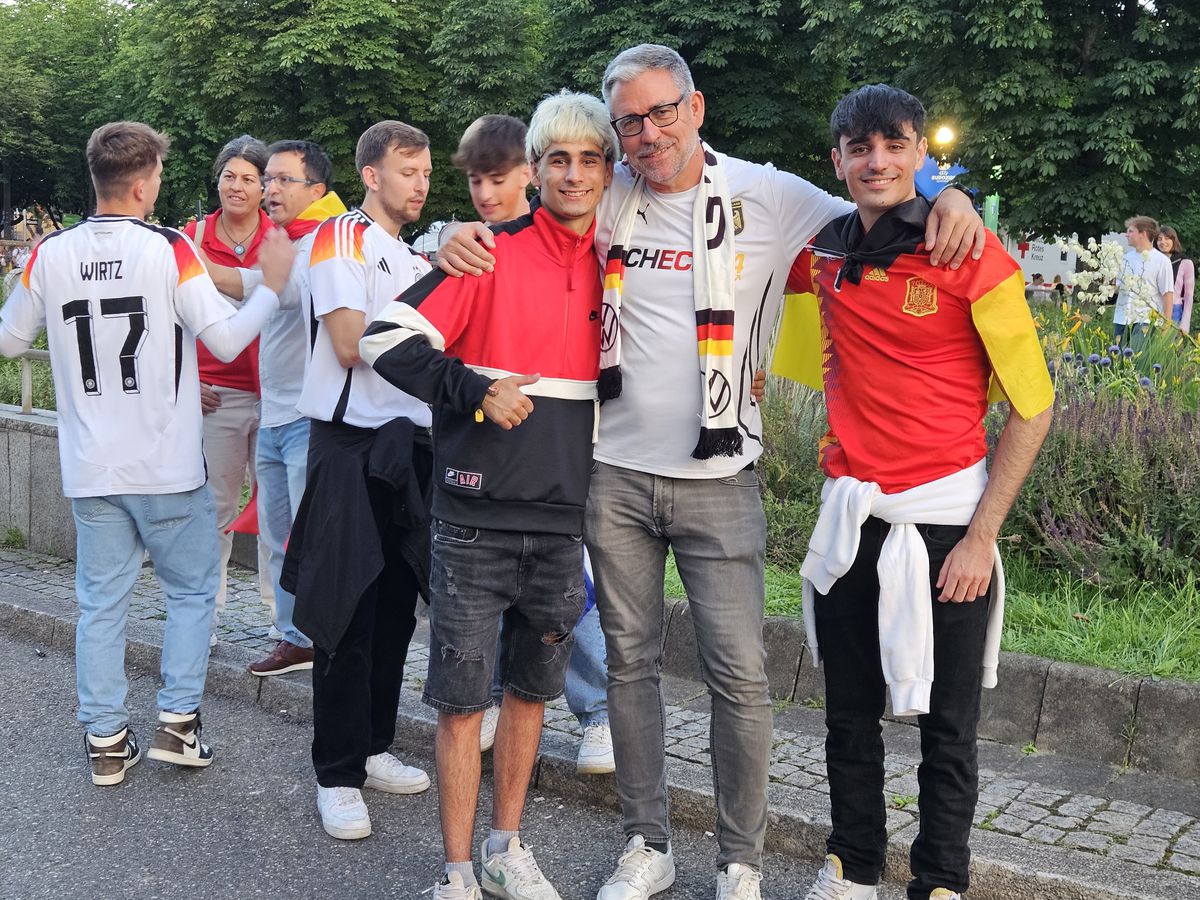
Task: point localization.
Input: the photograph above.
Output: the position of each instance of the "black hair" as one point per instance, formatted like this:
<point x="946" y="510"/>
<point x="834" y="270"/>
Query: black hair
<point x="876" y="108"/>
<point x="318" y="167"/>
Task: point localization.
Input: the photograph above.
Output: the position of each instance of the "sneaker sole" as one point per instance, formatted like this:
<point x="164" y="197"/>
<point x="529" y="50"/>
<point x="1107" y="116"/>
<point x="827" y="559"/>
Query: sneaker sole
<point x="178" y="759"/>
<point x="115" y="777"/>
<point x="296" y="667"/>
<point x="347" y="834"/>
<point x="389" y="787"/>
<point x="595" y="768"/>
<point x="491" y="889"/>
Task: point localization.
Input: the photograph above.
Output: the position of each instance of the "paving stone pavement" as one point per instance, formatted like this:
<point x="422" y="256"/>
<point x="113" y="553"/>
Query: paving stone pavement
<point x="1041" y="814"/>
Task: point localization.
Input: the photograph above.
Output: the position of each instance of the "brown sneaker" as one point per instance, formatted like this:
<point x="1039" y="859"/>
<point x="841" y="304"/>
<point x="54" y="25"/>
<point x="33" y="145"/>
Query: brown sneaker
<point x="111" y="756"/>
<point x="177" y="740"/>
<point x="286" y="657"/>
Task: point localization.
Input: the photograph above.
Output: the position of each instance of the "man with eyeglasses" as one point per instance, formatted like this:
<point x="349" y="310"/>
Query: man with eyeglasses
<point x="295" y="190"/>
<point x="698" y="246"/>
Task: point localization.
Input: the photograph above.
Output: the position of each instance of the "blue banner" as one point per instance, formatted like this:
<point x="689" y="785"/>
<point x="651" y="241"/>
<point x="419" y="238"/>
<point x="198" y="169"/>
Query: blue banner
<point x="932" y="178"/>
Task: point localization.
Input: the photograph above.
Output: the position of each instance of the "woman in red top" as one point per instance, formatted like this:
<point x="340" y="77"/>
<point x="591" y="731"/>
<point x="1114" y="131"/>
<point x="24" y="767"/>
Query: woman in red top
<point x="229" y="394"/>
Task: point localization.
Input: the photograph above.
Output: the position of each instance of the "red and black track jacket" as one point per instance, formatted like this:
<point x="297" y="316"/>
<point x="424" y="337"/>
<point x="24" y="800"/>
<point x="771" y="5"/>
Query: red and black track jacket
<point x="446" y="339"/>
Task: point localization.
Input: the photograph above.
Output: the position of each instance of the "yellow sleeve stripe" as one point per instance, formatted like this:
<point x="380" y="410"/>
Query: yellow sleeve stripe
<point x="799" y="346"/>
<point x="1004" y="323"/>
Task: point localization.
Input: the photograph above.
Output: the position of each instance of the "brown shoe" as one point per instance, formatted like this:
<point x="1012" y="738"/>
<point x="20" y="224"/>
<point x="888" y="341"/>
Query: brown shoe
<point x="111" y="756"/>
<point x="286" y="657"/>
<point x="177" y="740"/>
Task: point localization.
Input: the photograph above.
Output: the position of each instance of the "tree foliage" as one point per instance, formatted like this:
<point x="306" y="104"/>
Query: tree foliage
<point x="1079" y="112"/>
<point x="765" y="98"/>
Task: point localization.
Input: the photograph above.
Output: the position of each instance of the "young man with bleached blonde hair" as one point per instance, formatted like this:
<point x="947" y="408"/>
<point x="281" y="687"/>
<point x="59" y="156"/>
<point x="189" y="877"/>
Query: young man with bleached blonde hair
<point x="509" y="362"/>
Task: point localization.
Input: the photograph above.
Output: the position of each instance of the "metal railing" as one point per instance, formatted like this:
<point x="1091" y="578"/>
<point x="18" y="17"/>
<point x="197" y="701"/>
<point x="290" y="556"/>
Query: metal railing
<point x="27" y="360"/>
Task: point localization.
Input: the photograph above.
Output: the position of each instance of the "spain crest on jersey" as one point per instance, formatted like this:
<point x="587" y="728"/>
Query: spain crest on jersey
<point x="739" y="218"/>
<point x="920" y="299"/>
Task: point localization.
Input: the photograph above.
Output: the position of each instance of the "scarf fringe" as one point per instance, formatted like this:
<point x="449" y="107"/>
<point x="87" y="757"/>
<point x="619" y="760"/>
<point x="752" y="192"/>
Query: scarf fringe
<point x="718" y="442"/>
<point x="608" y="385"/>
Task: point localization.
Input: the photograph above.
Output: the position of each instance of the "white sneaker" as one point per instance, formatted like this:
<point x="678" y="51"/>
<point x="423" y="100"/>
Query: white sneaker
<point x="386" y="773"/>
<point x="595" y="751"/>
<point x="514" y="874"/>
<point x="739" y="882"/>
<point x="944" y="894"/>
<point x="343" y="813"/>
<point x="831" y="886"/>
<point x="487" y="728"/>
<point x="641" y="871"/>
<point x="452" y="888"/>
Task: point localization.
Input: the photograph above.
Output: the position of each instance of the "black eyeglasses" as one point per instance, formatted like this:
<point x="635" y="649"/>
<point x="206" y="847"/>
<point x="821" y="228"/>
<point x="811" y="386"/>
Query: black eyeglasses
<point x="285" y="180"/>
<point x="660" y="116"/>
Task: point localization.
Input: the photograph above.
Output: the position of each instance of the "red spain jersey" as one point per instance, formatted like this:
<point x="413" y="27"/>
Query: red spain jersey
<point x="909" y="351"/>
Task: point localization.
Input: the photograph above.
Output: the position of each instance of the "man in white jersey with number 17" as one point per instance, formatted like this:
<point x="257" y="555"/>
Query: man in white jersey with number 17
<point x="122" y="303"/>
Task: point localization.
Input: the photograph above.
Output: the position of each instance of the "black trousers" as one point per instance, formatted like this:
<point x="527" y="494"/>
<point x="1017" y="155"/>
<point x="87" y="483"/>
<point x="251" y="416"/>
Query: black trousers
<point x="848" y="635"/>
<point x="356" y="689"/>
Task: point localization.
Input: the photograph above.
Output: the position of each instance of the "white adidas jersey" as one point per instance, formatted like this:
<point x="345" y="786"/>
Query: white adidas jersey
<point x="355" y="264"/>
<point x="122" y="302"/>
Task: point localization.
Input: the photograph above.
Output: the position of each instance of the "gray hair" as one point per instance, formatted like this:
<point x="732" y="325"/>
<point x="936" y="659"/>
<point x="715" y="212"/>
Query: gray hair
<point x="631" y="63"/>
<point x="566" y="116"/>
<point x="246" y="147"/>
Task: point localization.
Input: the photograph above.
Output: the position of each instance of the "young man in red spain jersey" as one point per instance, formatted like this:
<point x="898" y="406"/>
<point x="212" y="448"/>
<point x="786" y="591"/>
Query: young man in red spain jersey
<point x="903" y="591"/>
<point x="122" y="303"/>
<point x="509" y="494"/>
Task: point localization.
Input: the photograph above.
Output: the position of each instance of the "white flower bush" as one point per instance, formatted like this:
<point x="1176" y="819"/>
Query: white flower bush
<point x="1103" y="262"/>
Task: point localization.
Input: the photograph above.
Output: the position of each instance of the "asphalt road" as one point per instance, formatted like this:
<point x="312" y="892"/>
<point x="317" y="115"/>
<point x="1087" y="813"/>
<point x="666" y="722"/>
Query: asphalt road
<point x="247" y="826"/>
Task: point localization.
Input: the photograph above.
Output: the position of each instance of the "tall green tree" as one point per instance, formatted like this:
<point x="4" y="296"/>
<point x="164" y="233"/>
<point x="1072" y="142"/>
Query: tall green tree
<point x="1079" y="112"/>
<point x="55" y="53"/>
<point x="323" y="70"/>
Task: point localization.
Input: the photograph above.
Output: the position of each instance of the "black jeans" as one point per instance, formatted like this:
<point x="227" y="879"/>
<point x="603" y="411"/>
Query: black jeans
<point x="356" y="690"/>
<point x="848" y="634"/>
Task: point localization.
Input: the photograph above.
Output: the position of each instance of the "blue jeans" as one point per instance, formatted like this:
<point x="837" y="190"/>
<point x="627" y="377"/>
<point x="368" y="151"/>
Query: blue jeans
<point x="281" y="466"/>
<point x="180" y="532"/>
<point x="717" y="530"/>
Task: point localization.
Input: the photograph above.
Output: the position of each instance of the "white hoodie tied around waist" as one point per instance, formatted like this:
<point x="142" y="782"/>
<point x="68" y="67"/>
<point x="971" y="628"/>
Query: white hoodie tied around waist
<point x="905" y="598"/>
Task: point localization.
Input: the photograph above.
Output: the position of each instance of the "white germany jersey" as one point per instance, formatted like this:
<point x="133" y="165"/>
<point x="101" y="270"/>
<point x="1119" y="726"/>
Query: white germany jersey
<point x="122" y="302"/>
<point x="355" y="264"/>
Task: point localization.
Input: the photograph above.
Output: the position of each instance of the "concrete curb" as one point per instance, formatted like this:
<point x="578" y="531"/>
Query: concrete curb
<point x="1080" y="711"/>
<point x="1003" y="867"/>
<point x="1089" y="713"/>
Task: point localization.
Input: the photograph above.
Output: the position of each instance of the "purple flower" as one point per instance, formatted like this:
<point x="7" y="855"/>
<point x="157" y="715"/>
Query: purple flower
<point x="1114" y="349"/>
<point x="1127" y="352"/>
<point x="1080" y="370"/>
<point x="1157" y="367"/>
<point x="1105" y="362"/>
<point x="1068" y="356"/>
<point x="1145" y="382"/>
<point x="1094" y="358"/>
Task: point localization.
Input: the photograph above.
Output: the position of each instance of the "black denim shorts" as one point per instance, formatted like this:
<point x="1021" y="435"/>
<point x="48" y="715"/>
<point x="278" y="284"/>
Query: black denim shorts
<point x="525" y="588"/>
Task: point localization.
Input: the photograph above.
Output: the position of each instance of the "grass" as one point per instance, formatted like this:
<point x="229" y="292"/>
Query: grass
<point x="1138" y="629"/>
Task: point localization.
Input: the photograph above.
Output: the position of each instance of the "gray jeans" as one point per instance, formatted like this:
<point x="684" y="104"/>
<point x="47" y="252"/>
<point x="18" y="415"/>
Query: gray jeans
<point x="717" y="531"/>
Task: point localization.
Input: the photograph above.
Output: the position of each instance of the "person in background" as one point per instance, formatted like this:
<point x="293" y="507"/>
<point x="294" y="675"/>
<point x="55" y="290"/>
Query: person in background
<point x="1184" y="271"/>
<point x="230" y="236"/>
<point x="1146" y="284"/>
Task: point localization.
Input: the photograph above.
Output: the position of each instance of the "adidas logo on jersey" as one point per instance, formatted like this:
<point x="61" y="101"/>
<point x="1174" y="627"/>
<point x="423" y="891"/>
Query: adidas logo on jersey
<point x="383" y="266"/>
